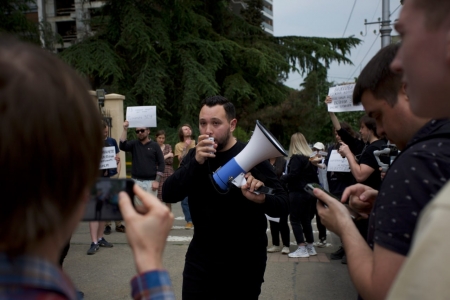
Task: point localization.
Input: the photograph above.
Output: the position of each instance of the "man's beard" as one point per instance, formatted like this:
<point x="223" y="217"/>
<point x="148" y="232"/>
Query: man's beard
<point x="143" y="138"/>
<point x="223" y="142"/>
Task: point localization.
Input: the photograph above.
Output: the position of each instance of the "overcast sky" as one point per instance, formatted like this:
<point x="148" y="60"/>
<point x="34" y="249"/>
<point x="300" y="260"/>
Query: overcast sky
<point x="328" y="18"/>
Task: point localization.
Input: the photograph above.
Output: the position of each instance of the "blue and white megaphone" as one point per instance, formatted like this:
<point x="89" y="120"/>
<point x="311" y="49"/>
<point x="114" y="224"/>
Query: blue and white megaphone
<point x="262" y="145"/>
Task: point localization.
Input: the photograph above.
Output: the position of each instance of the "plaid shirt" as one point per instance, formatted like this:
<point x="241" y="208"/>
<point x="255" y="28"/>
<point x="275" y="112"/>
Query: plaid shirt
<point x="32" y="278"/>
<point x="154" y="285"/>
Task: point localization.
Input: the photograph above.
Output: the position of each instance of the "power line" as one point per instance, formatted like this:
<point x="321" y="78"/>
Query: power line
<point x="365" y="55"/>
<point x="395" y="10"/>
<point x="349" y="17"/>
<point x="371" y="20"/>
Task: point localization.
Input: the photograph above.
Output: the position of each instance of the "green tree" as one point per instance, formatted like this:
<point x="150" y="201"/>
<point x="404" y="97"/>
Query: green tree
<point x="173" y="54"/>
<point x="13" y="20"/>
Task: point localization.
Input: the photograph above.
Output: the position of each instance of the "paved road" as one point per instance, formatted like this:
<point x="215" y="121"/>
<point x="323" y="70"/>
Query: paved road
<point x="106" y="274"/>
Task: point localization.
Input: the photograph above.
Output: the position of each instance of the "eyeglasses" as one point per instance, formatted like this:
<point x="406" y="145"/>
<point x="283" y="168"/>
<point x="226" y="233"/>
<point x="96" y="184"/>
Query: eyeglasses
<point x="140" y="131"/>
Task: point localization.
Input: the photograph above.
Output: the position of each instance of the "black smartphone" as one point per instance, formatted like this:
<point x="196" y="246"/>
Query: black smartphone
<point x="311" y="186"/>
<point x="103" y="204"/>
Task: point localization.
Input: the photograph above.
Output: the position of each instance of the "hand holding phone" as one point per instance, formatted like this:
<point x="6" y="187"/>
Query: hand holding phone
<point x="103" y="204"/>
<point x="311" y="186"/>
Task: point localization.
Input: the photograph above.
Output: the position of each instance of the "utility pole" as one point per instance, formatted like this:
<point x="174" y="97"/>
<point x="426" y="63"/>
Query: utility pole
<point x="385" y="25"/>
<point x="385" y="29"/>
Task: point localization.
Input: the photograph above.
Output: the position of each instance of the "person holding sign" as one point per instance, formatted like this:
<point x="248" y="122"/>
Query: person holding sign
<point x="112" y="173"/>
<point x="96" y="228"/>
<point x="147" y="159"/>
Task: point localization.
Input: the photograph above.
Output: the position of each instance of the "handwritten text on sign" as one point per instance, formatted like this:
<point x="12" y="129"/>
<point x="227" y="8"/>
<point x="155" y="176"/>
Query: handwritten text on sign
<point x="108" y="158"/>
<point x="141" y="116"/>
<point x="337" y="164"/>
<point x="342" y="99"/>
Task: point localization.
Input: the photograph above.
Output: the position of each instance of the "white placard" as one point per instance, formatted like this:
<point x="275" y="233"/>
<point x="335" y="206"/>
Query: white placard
<point x="141" y="116"/>
<point x="342" y="99"/>
<point x="337" y="164"/>
<point x="108" y="158"/>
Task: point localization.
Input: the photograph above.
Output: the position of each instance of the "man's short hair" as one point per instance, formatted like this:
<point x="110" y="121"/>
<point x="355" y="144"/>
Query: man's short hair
<point x="51" y="142"/>
<point x="436" y="11"/>
<point x="370" y="123"/>
<point x="378" y="79"/>
<point x="229" y="108"/>
<point x="181" y="133"/>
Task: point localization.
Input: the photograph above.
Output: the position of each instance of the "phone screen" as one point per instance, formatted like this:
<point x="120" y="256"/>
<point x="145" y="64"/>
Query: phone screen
<point x="103" y="204"/>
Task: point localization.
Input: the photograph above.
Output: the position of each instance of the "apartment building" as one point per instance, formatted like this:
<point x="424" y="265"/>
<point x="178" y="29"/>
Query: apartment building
<point x="267" y="11"/>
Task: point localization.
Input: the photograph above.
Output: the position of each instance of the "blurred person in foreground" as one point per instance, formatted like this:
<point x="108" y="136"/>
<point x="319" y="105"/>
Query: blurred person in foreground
<point x="42" y="102"/>
<point x="423" y="60"/>
<point x="410" y="183"/>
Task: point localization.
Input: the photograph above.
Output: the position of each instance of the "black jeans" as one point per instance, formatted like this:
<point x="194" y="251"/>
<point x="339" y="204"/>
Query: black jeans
<point x="280" y="228"/>
<point x="301" y="205"/>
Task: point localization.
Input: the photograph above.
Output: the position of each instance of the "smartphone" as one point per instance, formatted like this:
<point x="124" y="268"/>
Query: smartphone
<point x="103" y="204"/>
<point x="311" y="186"/>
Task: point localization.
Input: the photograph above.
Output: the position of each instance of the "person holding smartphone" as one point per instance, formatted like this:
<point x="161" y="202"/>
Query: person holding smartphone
<point x="59" y="173"/>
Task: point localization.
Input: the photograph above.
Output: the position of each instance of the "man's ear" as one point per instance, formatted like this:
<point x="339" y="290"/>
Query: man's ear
<point x="233" y="124"/>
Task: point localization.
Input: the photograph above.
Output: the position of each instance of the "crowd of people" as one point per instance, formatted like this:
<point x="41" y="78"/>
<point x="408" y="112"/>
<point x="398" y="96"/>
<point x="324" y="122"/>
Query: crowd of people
<point x="395" y="250"/>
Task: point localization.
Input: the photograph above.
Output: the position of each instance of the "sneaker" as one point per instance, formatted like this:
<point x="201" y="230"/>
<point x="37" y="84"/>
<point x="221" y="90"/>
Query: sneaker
<point x="189" y="225"/>
<point x="94" y="248"/>
<point x="285" y="250"/>
<point x="104" y="243"/>
<point x="300" y="252"/>
<point x="339" y="254"/>
<point x="322" y="243"/>
<point x="274" y="249"/>
<point x="120" y="228"/>
<point x="344" y="260"/>
<point x="107" y="230"/>
<point x="311" y="250"/>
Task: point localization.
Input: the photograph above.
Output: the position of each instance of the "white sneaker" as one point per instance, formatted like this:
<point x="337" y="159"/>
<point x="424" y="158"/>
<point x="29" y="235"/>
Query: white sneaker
<point x="311" y="250"/>
<point x="285" y="250"/>
<point x="274" y="249"/>
<point x="322" y="243"/>
<point x="300" y="252"/>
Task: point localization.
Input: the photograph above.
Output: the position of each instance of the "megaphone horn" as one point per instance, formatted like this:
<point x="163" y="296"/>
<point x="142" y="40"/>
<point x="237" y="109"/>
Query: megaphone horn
<point x="262" y="145"/>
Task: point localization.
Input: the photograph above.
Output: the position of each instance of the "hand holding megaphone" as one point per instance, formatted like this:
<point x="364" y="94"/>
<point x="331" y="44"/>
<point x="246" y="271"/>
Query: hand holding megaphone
<point x="205" y="148"/>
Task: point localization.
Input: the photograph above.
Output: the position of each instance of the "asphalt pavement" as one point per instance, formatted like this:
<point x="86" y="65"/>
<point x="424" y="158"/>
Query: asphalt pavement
<point x="107" y="274"/>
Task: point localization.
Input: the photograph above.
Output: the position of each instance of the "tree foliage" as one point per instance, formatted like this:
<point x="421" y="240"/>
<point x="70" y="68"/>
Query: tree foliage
<point x="13" y="20"/>
<point x="173" y="54"/>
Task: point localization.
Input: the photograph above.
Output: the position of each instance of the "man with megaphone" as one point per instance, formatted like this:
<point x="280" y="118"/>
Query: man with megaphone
<point x="225" y="260"/>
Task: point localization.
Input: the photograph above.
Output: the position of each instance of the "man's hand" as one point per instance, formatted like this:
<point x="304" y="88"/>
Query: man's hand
<point x="344" y="150"/>
<point x="360" y="197"/>
<point x="117" y="158"/>
<point x="125" y="125"/>
<point x="146" y="231"/>
<point x="328" y="100"/>
<point x="333" y="214"/>
<point x="204" y="149"/>
<point x="250" y="186"/>
<point x="155" y="185"/>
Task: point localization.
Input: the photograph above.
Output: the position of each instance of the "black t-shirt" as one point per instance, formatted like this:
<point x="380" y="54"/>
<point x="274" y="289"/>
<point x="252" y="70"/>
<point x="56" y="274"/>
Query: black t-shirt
<point x="368" y="158"/>
<point x="414" y="178"/>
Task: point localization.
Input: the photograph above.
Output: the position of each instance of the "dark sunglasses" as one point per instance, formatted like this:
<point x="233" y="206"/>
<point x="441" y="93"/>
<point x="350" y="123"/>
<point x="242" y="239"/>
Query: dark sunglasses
<point x="140" y="131"/>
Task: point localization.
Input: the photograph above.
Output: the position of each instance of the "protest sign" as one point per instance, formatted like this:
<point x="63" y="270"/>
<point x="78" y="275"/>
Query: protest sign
<point x="342" y="99"/>
<point x="108" y="158"/>
<point x="337" y="163"/>
<point x="141" y="116"/>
